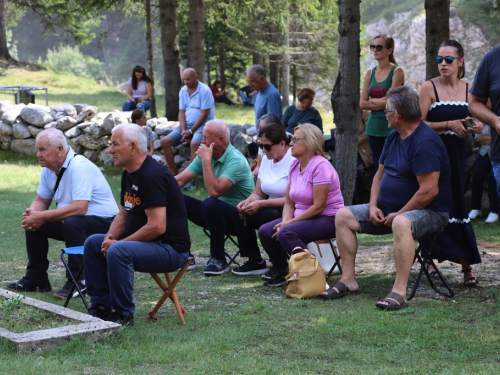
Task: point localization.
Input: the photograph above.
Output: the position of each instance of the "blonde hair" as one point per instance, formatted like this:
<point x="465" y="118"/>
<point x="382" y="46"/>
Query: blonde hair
<point x="313" y="137"/>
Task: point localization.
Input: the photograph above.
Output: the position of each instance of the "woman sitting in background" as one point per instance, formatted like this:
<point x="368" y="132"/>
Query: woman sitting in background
<point x="139" y="91"/>
<point x="139" y="117"/>
<point x="302" y="112"/>
<point x="266" y="202"/>
<point x="313" y="198"/>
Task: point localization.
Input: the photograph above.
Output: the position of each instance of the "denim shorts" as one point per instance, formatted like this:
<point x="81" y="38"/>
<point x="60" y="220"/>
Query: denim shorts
<point x="176" y="135"/>
<point x="423" y="222"/>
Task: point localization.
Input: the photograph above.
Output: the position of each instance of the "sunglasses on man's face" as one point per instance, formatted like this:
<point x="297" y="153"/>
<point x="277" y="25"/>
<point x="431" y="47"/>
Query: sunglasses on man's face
<point x="378" y="47"/>
<point x="265" y="147"/>
<point x="448" y="59"/>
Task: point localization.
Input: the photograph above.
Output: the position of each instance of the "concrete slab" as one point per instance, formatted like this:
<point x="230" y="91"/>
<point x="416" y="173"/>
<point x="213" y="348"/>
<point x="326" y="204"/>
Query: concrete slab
<point x="88" y="326"/>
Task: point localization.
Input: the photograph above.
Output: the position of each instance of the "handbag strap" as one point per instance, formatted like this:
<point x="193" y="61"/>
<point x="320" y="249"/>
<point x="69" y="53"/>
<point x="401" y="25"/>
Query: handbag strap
<point x="301" y="264"/>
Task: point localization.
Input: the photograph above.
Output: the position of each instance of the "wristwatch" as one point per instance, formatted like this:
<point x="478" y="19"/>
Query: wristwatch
<point x="189" y="130"/>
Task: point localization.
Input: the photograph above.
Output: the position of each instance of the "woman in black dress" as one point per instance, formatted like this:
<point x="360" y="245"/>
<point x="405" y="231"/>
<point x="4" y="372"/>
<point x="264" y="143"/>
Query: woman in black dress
<point x="443" y="102"/>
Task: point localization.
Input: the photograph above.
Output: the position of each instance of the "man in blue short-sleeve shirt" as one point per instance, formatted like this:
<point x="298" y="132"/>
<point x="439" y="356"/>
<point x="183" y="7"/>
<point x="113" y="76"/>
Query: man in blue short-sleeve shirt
<point x="84" y="206"/>
<point x="409" y="197"/>
<point x="228" y="181"/>
<point x="268" y="97"/>
<point x="487" y="86"/>
<point x="196" y="107"/>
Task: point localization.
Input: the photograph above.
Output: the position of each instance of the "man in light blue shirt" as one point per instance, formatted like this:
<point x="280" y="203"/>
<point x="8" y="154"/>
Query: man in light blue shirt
<point x="268" y="97"/>
<point x="196" y="107"/>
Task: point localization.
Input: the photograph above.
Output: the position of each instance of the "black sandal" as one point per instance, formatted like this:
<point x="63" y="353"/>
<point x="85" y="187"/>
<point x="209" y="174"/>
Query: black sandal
<point x="432" y="274"/>
<point x="339" y="290"/>
<point x="395" y="302"/>
<point x="473" y="278"/>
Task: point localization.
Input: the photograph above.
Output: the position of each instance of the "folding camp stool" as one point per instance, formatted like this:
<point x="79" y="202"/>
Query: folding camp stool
<point x="76" y="250"/>
<point x="169" y="292"/>
<point x="318" y="250"/>
<point x="231" y="259"/>
<point x="336" y="255"/>
<point x="427" y="260"/>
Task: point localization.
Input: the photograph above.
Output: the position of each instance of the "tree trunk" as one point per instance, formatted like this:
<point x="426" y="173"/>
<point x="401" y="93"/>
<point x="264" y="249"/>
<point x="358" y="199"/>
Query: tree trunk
<point x="171" y="57"/>
<point x="209" y="79"/>
<point x="437" y="30"/>
<point x="222" y="66"/>
<point x="274" y="70"/>
<point x="257" y="59"/>
<point x="286" y="71"/>
<point x="345" y="97"/>
<point x="294" y="82"/>
<point x="196" y="37"/>
<point x="4" y="49"/>
<point x="149" y="42"/>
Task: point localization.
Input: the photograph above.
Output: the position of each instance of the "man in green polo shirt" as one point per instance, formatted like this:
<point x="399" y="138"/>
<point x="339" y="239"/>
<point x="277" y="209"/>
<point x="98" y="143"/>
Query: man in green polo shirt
<point x="228" y="181"/>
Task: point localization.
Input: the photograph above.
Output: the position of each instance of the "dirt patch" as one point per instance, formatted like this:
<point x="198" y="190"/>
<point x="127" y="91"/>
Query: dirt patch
<point x="13" y="64"/>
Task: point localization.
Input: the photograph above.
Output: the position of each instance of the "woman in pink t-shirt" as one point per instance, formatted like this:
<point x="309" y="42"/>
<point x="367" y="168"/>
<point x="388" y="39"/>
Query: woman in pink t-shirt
<point x="312" y="200"/>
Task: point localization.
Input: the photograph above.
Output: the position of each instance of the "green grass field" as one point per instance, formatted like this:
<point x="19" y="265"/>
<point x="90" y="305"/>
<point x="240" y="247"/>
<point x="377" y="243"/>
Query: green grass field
<point x="238" y="326"/>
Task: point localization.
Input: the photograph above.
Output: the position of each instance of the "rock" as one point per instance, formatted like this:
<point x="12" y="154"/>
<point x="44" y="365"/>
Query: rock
<point x="79" y="107"/>
<point x="38" y="106"/>
<point x="5" y="129"/>
<point x="166" y="128"/>
<point x="21" y="131"/>
<point x="58" y="115"/>
<point x="5" y="141"/>
<point x="105" y="157"/>
<point x="65" y="123"/>
<point x="250" y="129"/>
<point x="10" y="116"/>
<point x="241" y="142"/>
<point x="152" y="123"/>
<point x="87" y="113"/>
<point x="183" y="166"/>
<point x="5" y="106"/>
<point x="67" y="109"/>
<point x="113" y="119"/>
<point x="24" y="146"/>
<point x="97" y="131"/>
<point x="179" y="160"/>
<point x="184" y="151"/>
<point x="73" y="132"/>
<point x="160" y="158"/>
<point x="163" y="120"/>
<point x="34" y="130"/>
<point x="91" y="155"/>
<point x="36" y="116"/>
<point x="157" y="144"/>
<point x="90" y="143"/>
<point x="84" y="125"/>
<point x="73" y="143"/>
<point x="52" y="124"/>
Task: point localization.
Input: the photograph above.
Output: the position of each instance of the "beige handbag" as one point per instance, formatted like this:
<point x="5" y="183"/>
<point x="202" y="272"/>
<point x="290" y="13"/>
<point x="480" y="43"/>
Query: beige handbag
<point x="306" y="278"/>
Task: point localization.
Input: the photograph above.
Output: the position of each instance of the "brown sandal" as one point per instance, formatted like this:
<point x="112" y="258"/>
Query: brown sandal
<point x="395" y="302"/>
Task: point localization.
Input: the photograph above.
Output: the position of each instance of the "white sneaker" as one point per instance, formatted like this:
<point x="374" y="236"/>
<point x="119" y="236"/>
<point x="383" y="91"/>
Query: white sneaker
<point x="492" y="218"/>
<point x="474" y="214"/>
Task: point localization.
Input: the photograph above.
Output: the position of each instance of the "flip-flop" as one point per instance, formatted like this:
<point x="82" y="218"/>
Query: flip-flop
<point x="473" y="278"/>
<point x="337" y="291"/>
<point x="433" y="273"/>
<point x="395" y="302"/>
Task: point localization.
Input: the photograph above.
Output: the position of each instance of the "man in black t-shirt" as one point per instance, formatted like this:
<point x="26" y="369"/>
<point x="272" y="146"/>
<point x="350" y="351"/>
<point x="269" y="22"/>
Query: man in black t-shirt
<point x="487" y="87"/>
<point x="409" y="197"/>
<point x="149" y="233"/>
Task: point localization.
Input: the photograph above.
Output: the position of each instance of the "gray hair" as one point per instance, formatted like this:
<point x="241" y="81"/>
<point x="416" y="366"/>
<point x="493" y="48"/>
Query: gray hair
<point x="404" y="100"/>
<point x="133" y="133"/>
<point x="221" y="127"/>
<point x="271" y="118"/>
<point x="55" y="137"/>
<point x="258" y="70"/>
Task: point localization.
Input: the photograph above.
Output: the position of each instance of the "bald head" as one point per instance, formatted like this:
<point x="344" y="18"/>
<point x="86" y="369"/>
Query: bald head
<point x="190" y="78"/>
<point x="219" y="129"/>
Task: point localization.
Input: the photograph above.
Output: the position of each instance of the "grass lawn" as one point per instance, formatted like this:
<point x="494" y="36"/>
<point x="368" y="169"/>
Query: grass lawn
<point x="238" y="326"/>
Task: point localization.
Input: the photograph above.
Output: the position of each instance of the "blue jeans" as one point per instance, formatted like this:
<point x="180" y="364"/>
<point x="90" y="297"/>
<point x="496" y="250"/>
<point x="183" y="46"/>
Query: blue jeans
<point x="129" y="105"/>
<point x="248" y="100"/>
<point x="496" y="172"/>
<point x="110" y="279"/>
<point x="220" y="218"/>
<point x="293" y="235"/>
<point x="376" y="147"/>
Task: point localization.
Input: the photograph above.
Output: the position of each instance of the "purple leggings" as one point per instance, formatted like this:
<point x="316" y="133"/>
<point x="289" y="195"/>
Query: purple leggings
<point x="293" y="235"/>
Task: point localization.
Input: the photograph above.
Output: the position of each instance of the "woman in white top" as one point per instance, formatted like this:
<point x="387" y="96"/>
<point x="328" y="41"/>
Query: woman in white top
<point x="139" y="91"/>
<point x="266" y="202"/>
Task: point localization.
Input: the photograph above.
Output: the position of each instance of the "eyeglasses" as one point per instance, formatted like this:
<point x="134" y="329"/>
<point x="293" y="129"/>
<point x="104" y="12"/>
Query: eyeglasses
<point x="265" y="147"/>
<point x="378" y="47"/>
<point x="447" y="59"/>
<point x="295" y="139"/>
<point x="386" y="111"/>
<point x="139" y="69"/>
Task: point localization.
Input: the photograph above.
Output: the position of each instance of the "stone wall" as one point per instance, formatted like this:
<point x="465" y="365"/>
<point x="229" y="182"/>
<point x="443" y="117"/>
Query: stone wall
<point x="88" y="132"/>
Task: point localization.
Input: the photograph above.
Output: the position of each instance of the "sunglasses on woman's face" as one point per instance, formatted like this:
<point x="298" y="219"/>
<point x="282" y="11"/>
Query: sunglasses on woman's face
<point x="448" y="59"/>
<point x="266" y="147"/>
<point x="378" y="47"/>
<point x="139" y="69"/>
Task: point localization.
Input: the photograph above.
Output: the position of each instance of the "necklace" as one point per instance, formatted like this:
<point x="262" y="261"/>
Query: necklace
<point x="456" y="92"/>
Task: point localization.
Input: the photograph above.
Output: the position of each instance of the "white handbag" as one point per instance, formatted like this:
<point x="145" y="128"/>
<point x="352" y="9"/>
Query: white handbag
<point x="323" y="251"/>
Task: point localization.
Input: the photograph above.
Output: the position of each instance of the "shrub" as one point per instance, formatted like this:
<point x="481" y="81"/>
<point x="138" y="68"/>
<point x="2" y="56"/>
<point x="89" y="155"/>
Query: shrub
<point x="70" y="59"/>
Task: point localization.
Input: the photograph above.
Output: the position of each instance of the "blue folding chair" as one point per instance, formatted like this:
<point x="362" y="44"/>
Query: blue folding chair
<point x="76" y="250"/>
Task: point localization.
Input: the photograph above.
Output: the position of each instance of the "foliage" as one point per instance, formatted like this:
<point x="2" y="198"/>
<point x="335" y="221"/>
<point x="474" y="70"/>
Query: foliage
<point x="373" y="10"/>
<point x="11" y="45"/>
<point x="71" y="60"/>
<point x="484" y="13"/>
